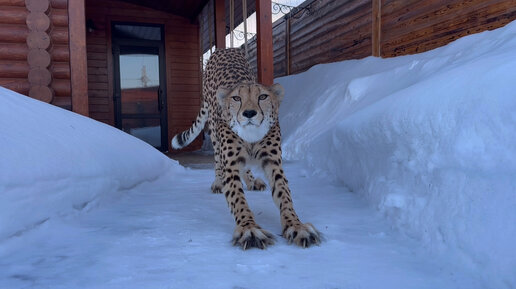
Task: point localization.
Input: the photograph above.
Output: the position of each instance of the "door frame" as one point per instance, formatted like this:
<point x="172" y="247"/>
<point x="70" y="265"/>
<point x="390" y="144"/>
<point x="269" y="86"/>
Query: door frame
<point x="162" y="91"/>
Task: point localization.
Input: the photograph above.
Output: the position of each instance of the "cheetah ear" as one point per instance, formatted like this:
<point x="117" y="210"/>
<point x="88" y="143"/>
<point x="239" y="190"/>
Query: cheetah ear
<point x="278" y="90"/>
<point x="222" y="93"/>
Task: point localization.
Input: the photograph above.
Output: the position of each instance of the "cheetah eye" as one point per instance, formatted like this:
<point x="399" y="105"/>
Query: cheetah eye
<point x="262" y="96"/>
<point x="236" y="98"/>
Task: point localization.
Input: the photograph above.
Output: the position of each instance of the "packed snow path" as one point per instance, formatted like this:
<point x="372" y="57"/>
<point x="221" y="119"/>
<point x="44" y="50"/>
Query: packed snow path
<point x="173" y="233"/>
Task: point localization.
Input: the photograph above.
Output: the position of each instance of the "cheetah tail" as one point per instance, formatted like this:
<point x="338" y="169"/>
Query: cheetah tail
<point x="184" y="138"/>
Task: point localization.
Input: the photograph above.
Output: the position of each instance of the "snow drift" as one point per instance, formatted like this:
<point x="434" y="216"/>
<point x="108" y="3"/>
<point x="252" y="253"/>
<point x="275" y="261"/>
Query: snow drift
<point x="428" y="139"/>
<point x="55" y="162"/>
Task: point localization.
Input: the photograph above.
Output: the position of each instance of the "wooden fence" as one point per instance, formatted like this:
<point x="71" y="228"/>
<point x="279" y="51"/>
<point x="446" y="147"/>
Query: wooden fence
<point x="337" y="30"/>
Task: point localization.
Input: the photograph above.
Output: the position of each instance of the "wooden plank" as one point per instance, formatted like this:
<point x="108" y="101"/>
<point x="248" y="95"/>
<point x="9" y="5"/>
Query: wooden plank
<point x="345" y="29"/>
<point x="78" y="62"/>
<point x="449" y="28"/>
<point x="264" y="42"/>
<point x="92" y="78"/>
<point x="186" y="80"/>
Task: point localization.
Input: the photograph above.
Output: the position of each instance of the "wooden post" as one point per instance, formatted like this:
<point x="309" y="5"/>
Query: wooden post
<point x="78" y="60"/>
<point x="287" y="46"/>
<point x="377" y="28"/>
<point x="220" y="24"/>
<point x="264" y="42"/>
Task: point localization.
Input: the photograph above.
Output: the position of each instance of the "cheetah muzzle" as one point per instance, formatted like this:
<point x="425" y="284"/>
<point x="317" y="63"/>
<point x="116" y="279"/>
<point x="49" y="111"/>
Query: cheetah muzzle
<point x="243" y="125"/>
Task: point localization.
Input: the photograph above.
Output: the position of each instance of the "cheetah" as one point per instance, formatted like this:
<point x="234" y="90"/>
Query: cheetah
<point x="243" y="125"/>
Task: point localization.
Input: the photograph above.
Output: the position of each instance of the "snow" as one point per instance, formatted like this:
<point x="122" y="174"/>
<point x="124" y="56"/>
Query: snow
<point x="173" y="233"/>
<point x="406" y="165"/>
<point x="55" y="162"/>
<point x="429" y="140"/>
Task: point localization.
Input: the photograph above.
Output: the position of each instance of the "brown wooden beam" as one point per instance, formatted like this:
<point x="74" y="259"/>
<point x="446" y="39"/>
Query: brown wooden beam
<point x="377" y="28"/>
<point x="264" y="42"/>
<point x="78" y="62"/>
<point x="220" y="24"/>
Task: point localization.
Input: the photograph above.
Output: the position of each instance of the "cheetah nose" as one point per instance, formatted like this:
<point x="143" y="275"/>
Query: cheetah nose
<point x="249" y="113"/>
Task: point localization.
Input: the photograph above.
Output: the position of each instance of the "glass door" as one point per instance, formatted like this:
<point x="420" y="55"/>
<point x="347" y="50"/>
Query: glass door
<point x="139" y="96"/>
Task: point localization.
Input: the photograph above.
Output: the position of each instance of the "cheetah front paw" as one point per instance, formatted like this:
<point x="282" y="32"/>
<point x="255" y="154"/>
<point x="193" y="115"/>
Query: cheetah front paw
<point x="259" y="185"/>
<point x="252" y="237"/>
<point x="303" y="235"/>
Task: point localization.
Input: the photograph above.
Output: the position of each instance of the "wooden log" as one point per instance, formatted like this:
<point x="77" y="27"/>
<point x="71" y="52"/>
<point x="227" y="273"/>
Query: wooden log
<point x="60" y="53"/>
<point x="13" y="33"/>
<point x="37" y="5"/>
<point x="42" y="93"/>
<point x="38" y="40"/>
<point x="13" y="51"/>
<point x="61" y="87"/>
<point x="59" y="35"/>
<point x="20" y="85"/>
<point x="13" y="69"/>
<point x="13" y="15"/>
<point x="61" y="4"/>
<point x="39" y="77"/>
<point x="60" y="70"/>
<point x="63" y="102"/>
<point x="17" y="3"/>
<point x="38" y="22"/>
<point x="38" y="58"/>
<point x="59" y="18"/>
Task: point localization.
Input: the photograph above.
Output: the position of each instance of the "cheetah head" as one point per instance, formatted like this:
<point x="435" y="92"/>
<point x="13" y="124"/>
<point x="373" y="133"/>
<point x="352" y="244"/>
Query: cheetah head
<point x="250" y="109"/>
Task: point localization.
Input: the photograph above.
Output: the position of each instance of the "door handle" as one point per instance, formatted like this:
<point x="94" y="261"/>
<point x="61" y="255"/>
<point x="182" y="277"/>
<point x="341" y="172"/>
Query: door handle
<point x="161" y="101"/>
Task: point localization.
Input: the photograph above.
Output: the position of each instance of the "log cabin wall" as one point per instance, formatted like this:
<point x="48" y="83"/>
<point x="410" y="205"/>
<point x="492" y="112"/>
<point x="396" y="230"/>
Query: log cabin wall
<point x="182" y="62"/>
<point x="34" y="53"/>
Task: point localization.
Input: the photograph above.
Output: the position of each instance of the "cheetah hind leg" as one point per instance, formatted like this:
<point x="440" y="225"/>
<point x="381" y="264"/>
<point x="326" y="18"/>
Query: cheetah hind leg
<point x="253" y="184"/>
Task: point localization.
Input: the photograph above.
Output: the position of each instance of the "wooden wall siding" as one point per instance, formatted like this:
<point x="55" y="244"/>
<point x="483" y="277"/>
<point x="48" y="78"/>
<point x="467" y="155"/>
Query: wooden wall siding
<point x="341" y="30"/>
<point x="337" y="30"/>
<point x="14" y="66"/>
<point x="182" y="62"/>
<point x="412" y="26"/>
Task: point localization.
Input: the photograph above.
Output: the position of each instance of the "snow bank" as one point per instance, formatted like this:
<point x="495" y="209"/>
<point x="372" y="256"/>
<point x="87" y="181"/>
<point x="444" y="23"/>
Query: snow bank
<point x="428" y="139"/>
<point x="55" y="162"/>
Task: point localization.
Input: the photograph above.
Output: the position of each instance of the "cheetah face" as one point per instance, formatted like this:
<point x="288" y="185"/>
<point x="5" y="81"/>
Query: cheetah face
<point x="250" y="109"/>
